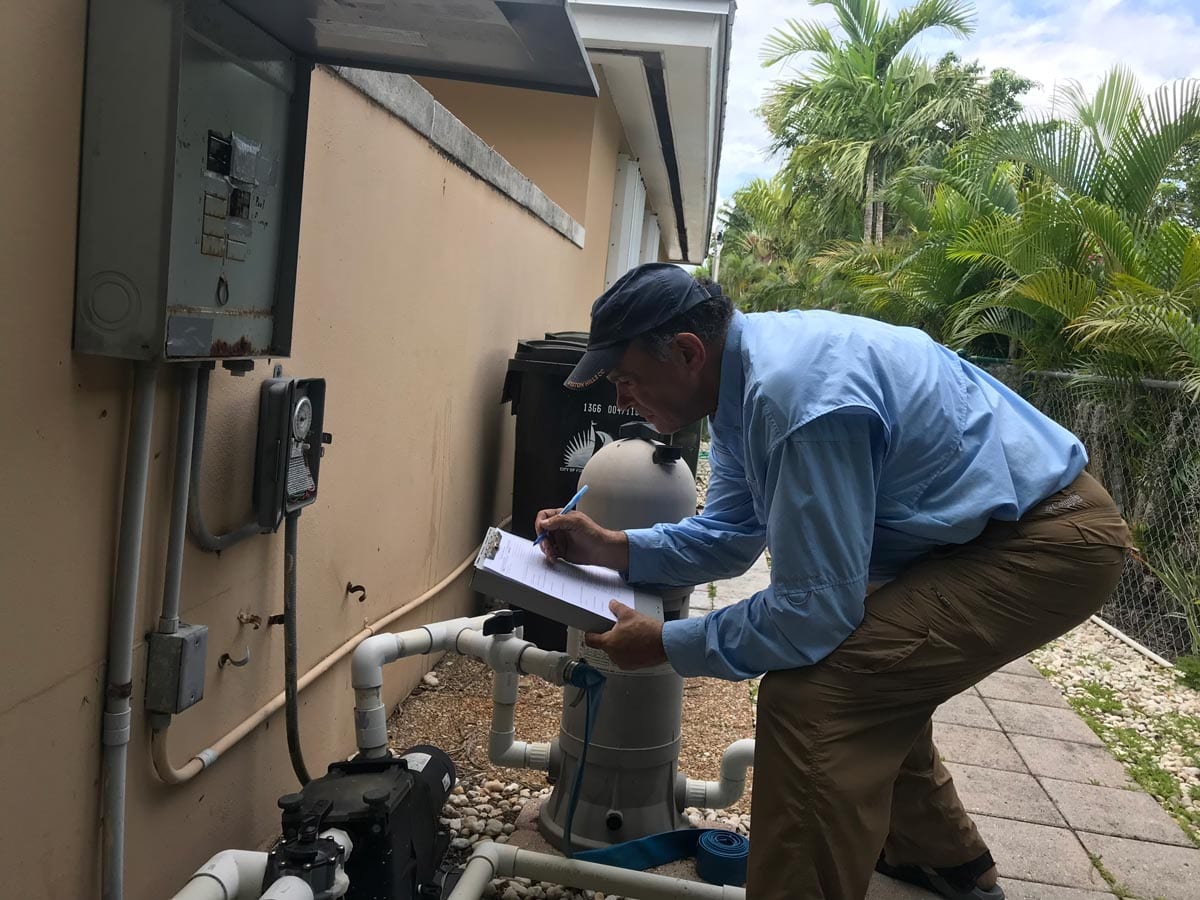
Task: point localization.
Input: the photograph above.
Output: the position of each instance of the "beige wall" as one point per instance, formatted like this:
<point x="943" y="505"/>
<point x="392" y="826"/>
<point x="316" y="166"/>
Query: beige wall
<point x="415" y="281"/>
<point x="547" y="136"/>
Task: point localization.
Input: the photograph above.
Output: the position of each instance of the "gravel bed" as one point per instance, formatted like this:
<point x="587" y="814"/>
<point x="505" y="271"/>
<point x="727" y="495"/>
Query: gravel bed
<point x="451" y="709"/>
<point x="1147" y="718"/>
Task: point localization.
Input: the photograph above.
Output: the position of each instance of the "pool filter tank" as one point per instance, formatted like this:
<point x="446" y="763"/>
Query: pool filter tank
<point x="631" y="786"/>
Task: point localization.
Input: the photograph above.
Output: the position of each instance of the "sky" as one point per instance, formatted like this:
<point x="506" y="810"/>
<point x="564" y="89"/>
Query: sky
<point x="1047" y="40"/>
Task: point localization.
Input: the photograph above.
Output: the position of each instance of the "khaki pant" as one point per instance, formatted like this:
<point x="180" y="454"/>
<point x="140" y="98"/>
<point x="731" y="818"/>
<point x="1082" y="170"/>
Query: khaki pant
<point x="845" y="763"/>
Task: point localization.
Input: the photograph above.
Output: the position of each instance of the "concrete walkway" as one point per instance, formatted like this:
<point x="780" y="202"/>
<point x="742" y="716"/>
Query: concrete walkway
<point x="1063" y="820"/>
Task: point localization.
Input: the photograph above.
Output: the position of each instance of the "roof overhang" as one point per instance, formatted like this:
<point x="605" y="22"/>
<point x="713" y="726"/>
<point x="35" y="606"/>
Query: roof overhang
<point x="666" y="64"/>
<point x="520" y="43"/>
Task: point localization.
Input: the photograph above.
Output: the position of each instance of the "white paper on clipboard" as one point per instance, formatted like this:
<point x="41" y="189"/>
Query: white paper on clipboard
<point x="587" y="587"/>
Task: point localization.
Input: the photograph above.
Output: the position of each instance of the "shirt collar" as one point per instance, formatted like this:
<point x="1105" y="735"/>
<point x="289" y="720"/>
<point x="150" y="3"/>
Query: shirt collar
<point x="733" y="379"/>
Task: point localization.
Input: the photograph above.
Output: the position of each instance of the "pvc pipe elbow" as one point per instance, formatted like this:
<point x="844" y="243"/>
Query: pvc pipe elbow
<point x="366" y="666"/>
<point x="289" y="887"/>
<point x="737" y="758"/>
<point x="232" y="873"/>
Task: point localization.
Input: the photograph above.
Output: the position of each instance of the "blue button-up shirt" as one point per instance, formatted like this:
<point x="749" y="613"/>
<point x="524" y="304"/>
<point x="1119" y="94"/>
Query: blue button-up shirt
<point x="850" y="449"/>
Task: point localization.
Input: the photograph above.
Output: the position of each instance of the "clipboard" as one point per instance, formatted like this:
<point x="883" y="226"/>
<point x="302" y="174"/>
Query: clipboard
<point x="509" y="568"/>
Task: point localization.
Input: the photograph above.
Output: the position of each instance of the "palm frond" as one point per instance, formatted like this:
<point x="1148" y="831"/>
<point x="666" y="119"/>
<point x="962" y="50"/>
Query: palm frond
<point x="925" y="15"/>
<point x="1144" y="149"/>
<point x="1107" y="112"/>
<point x="793" y="38"/>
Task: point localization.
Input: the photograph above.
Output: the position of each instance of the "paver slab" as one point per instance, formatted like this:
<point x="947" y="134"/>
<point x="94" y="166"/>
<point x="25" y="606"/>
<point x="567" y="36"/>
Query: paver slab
<point x="976" y="747"/>
<point x="1040" y="853"/>
<point x="1021" y="666"/>
<point x="966" y="709"/>
<point x="1043" y="721"/>
<point x="1149" y="870"/>
<point x="1002" y="686"/>
<point x="1111" y="810"/>
<point x="884" y="888"/>
<point x="1069" y="761"/>
<point x="1009" y="795"/>
<point x="1029" y="890"/>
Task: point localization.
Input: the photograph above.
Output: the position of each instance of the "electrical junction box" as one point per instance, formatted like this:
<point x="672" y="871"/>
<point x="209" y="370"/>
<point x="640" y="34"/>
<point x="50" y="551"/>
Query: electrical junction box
<point x="175" y="669"/>
<point x="192" y="162"/>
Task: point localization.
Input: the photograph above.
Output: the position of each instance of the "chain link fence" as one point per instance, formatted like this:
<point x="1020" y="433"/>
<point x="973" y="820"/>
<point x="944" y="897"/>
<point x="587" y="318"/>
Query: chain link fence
<point x="1143" y="442"/>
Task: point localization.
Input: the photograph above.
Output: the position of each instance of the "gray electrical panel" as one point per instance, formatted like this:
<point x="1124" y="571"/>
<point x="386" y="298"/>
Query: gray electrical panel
<point x="191" y="171"/>
<point x="194" y="126"/>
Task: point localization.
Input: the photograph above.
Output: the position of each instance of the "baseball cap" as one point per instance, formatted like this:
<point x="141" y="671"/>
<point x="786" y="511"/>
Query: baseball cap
<point x="639" y="301"/>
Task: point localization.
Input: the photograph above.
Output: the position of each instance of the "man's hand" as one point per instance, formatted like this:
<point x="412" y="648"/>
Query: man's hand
<point x="635" y="642"/>
<point x="576" y="538"/>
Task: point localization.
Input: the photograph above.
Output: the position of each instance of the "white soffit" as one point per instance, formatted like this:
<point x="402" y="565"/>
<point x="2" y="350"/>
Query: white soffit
<point x="665" y="62"/>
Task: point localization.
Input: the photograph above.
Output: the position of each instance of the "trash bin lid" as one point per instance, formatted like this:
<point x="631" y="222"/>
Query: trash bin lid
<point x="571" y="337"/>
<point x="563" y="353"/>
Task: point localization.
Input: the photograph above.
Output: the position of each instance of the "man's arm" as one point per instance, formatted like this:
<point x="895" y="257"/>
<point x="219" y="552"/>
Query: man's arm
<point x="822" y="481"/>
<point x="720" y="542"/>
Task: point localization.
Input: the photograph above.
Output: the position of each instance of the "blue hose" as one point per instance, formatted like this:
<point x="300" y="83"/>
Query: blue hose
<point x="590" y="682"/>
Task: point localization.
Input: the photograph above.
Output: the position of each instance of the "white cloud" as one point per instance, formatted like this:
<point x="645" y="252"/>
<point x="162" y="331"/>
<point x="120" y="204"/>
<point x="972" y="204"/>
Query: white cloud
<point x="1047" y="40"/>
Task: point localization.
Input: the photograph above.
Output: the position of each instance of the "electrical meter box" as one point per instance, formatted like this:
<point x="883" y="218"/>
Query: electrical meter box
<point x="192" y="160"/>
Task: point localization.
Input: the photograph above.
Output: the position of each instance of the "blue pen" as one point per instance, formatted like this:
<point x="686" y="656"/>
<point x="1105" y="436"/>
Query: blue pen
<point x="566" y="509"/>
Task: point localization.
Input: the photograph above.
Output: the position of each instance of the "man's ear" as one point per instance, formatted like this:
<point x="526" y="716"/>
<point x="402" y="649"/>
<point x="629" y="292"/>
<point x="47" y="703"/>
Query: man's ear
<point x="691" y="350"/>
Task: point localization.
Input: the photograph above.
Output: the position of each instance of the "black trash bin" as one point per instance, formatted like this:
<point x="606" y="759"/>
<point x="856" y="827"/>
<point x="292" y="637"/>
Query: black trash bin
<point x="558" y="430"/>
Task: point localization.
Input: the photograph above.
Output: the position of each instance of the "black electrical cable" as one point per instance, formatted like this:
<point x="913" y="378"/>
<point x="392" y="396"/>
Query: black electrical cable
<point x="292" y="712"/>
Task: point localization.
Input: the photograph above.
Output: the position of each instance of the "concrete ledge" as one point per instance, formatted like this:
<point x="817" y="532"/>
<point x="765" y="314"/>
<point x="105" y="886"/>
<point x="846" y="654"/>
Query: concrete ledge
<point x="412" y="104"/>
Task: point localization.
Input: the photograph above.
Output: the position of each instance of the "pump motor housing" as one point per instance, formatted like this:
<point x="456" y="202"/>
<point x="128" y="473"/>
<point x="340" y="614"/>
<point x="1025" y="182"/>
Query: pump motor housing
<point x="390" y="808"/>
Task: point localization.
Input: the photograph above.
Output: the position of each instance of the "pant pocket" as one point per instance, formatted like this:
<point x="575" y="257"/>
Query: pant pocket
<point x="877" y="647"/>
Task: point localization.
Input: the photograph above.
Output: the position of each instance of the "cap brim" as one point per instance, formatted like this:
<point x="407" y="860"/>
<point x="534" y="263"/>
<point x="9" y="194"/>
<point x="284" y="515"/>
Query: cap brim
<point x="594" y="365"/>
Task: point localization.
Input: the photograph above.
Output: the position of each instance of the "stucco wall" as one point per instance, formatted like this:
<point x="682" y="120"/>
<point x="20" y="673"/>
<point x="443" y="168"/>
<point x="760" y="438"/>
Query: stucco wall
<point x="415" y="280"/>
<point x="545" y="135"/>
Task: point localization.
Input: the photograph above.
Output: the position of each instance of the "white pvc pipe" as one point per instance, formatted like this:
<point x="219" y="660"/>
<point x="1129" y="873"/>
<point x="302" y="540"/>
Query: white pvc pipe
<point x="1126" y="639"/>
<point x="503" y="749"/>
<point x="289" y="887"/>
<point x="507" y="861"/>
<point x="508" y="653"/>
<point x="238" y="875"/>
<point x="230" y="875"/>
<point x="366" y="673"/>
<point x="737" y="758"/>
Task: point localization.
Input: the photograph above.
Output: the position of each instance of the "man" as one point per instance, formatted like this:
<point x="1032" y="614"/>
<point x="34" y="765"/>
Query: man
<point x="925" y="524"/>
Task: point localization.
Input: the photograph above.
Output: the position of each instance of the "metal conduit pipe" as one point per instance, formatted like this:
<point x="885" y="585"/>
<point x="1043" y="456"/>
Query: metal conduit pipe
<point x="213" y="543"/>
<point x="737" y="758"/>
<point x="160" y="751"/>
<point x="168" y="620"/>
<point x="122" y="621"/>
<point x="492" y="860"/>
<point x="291" y="540"/>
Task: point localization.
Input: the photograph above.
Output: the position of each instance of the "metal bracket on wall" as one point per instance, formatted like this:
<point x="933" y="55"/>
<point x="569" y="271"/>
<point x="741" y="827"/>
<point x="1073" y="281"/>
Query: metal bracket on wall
<point x="227" y="660"/>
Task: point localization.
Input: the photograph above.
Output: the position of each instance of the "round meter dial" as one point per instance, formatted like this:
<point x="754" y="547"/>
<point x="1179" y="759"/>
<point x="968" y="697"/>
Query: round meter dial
<point x="302" y="418"/>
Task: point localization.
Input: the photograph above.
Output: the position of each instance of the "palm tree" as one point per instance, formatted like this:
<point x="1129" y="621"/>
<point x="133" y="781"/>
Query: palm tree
<point x="864" y="109"/>
<point x="1046" y="234"/>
